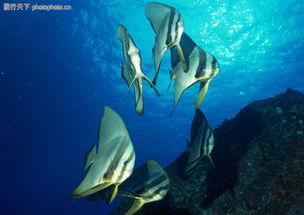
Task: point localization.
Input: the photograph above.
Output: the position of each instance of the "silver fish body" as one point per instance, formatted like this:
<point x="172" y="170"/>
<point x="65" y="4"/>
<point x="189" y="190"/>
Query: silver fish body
<point x="148" y="183"/>
<point x="203" y="67"/>
<point x="201" y="142"/>
<point x="132" y="70"/>
<point x="114" y="160"/>
<point x="168" y="25"/>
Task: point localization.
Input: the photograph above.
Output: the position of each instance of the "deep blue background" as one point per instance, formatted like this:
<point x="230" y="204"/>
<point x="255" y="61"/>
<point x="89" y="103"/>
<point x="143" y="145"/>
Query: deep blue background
<point x="60" y="68"/>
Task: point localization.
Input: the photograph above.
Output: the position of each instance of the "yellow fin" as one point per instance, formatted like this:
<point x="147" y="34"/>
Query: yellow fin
<point x="151" y="84"/>
<point x="181" y="57"/>
<point x="75" y="195"/>
<point x="134" y="79"/>
<point x="137" y="204"/>
<point x="201" y="95"/>
<point x="111" y="197"/>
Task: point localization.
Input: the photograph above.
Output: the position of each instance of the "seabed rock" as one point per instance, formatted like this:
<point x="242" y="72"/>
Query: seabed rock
<point x="259" y="166"/>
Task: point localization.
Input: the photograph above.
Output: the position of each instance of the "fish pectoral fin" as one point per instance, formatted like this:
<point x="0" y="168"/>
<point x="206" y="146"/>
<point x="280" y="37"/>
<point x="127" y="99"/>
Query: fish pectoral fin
<point x="137" y="204"/>
<point x="181" y="57"/>
<point x="151" y="84"/>
<point x="89" y="157"/>
<point x="201" y="95"/>
<point x="113" y="194"/>
<point x="134" y="79"/>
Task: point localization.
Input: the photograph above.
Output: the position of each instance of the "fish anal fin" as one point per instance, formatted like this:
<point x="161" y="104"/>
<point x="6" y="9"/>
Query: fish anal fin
<point x="89" y="157"/>
<point x="171" y="79"/>
<point x="121" y="33"/>
<point x="171" y="113"/>
<point x="137" y="204"/>
<point x="113" y="194"/>
<point x="75" y="195"/>
<point x="201" y="95"/>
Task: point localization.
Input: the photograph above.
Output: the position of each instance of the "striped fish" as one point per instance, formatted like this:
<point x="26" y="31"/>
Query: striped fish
<point x="132" y="70"/>
<point x="201" y="142"/>
<point x="168" y="25"/>
<point x="203" y="67"/>
<point x="112" y="163"/>
<point x="148" y="183"/>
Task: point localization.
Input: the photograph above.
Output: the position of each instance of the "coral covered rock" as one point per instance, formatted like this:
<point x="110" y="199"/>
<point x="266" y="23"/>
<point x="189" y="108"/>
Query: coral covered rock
<point x="259" y="166"/>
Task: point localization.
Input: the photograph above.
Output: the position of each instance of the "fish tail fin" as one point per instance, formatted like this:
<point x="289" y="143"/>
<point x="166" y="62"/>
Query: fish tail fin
<point x="113" y="194"/>
<point x="201" y="95"/>
<point x="137" y="204"/>
<point x="151" y="84"/>
<point x="181" y="57"/>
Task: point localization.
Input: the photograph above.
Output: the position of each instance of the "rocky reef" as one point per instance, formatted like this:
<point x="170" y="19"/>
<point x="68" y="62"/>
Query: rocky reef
<point x="259" y="166"/>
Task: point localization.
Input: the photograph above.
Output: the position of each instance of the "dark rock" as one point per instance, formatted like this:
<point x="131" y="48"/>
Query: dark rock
<point x="259" y="166"/>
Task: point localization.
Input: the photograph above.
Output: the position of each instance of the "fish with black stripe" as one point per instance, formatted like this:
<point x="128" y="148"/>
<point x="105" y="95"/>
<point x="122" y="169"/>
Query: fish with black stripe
<point x="148" y="183"/>
<point x="203" y="67"/>
<point x="168" y="25"/>
<point x="113" y="161"/>
<point x="201" y="142"/>
<point x="132" y="70"/>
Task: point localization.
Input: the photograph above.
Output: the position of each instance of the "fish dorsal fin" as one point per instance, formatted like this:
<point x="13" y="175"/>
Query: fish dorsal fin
<point x="122" y="33"/>
<point x="128" y="75"/>
<point x="199" y="120"/>
<point x="89" y="157"/>
<point x="111" y="127"/>
<point x="187" y="45"/>
<point x="156" y="13"/>
<point x="153" y="167"/>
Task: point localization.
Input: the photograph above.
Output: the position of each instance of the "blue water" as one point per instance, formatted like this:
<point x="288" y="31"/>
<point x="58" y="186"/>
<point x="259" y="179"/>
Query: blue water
<point x="60" y="68"/>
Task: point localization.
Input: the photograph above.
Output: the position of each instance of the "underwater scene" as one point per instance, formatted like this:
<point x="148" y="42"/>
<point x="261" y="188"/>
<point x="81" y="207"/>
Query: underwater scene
<point x="174" y="107"/>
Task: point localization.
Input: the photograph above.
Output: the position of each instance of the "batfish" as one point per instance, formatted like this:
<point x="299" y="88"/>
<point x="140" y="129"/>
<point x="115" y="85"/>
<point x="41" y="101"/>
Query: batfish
<point x="168" y="25"/>
<point x="132" y="70"/>
<point x="148" y="183"/>
<point x="113" y="161"/>
<point x="201" y="142"/>
<point x="203" y="67"/>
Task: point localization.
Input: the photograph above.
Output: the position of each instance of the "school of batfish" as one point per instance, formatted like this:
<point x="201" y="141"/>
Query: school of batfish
<point x="110" y="163"/>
